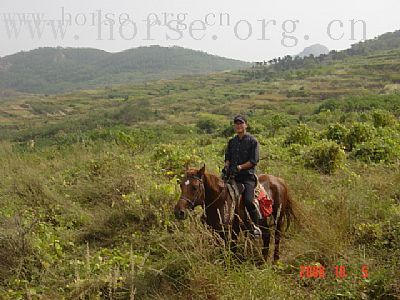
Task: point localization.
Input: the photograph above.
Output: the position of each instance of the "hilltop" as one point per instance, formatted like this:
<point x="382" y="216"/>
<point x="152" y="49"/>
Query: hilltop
<point x="55" y="70"/>
<point x="315" y="50"/>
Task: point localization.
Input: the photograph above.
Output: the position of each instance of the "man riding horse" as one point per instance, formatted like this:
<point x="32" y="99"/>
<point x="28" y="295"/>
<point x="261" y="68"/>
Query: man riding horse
<point x="241" y="158"/>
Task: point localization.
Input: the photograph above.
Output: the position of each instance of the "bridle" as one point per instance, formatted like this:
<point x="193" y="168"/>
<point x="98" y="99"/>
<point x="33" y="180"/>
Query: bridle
<point x="192" y="203"/>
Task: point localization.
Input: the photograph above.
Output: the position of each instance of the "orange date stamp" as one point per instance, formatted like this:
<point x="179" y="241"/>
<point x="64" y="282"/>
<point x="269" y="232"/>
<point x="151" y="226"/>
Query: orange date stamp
<point x="339" y="271"/>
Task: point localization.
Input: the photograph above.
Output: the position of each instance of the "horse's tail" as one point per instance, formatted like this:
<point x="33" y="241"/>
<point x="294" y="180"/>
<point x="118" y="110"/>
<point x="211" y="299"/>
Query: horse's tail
<point x="289" y="214"/>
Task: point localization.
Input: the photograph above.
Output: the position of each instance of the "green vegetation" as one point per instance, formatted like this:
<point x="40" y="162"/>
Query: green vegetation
<point x="326" y="157"/>
<point x="370" y="48"/>
<point x="301" y="134"/>
<point x="56" y="70"/>
<point x="89" y="181"/>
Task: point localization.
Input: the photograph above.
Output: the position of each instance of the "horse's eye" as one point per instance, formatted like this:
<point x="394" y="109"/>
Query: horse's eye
<point x="194" y="187"/>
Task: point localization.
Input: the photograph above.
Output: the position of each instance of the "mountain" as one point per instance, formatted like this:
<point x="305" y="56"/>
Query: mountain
<point x="386" y="41"/>
<point x="386" y="45"/>
<point x="316" y="50"/>
<point x="53" y="70"/>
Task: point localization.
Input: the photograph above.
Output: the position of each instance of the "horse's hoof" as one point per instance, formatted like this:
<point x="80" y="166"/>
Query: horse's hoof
<point x="275" y="261"/>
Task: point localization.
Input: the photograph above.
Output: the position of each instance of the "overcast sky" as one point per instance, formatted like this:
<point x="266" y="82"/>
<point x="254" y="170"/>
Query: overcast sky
<point x="246" y="30"/>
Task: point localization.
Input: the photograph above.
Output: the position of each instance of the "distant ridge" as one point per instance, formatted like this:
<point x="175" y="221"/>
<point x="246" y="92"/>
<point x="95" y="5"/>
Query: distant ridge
<point x="53" y="70"/>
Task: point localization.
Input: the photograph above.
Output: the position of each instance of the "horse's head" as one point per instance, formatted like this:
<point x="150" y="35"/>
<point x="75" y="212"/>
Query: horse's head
<point x="192" y="192"/>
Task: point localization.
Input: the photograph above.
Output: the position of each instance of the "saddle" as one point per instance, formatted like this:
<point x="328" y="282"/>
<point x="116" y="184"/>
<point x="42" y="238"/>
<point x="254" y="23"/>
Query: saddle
<point x="262" y="196"/>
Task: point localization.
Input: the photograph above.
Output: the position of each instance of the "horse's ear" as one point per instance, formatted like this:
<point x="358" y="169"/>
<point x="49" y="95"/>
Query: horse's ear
<point x="201" y="172"/>
<point x="186" y="166"/>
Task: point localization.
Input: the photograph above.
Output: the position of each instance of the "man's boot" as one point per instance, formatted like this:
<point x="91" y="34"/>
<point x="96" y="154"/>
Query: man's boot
<point x="254" y="217"/>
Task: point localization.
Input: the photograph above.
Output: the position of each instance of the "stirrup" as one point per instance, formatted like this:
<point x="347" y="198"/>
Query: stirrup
<point x="256" y="231"/>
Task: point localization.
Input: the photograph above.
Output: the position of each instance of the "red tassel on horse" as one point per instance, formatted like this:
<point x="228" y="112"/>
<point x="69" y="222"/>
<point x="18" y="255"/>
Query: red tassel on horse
<point x="265" y="204"/>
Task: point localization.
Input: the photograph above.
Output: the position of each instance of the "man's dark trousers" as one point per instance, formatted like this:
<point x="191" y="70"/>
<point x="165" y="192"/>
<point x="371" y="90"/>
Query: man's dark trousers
<point x="249" y="182"/>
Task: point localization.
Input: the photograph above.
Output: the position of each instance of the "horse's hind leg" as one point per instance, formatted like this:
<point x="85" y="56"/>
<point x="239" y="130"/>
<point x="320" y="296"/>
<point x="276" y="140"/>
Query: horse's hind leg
<point x="266" y="236"/>
<point x="233" y="239"/>
<point x="278" y="233"/>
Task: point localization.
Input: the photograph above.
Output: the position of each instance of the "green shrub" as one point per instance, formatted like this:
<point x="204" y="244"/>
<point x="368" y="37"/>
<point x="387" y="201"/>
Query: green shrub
<point x="362" y="103"/>
<point x="382" y="118"/>
<point x="326" y="117"/>
<point x="172" y="159"/>
<point x="114" y="94"/>
<point x="296" y="150"/>
<point x="228" y="131"/>
<point x="325" y="156"/>
<point x="377" y="150"/>
<point x="208" y="124"/>
<point x="133" y="112"/>
<point x="276" y="122"/>
<point x="359" y="133"/>
<point x="255" y="127"/>
<point x="338" y="133"/>
<point x="301" y="134"/>
<point x="379" y="235"/>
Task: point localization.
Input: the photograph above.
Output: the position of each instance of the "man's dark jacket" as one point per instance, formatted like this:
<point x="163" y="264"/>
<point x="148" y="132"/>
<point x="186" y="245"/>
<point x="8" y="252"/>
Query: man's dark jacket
<point x="242" y="150"/>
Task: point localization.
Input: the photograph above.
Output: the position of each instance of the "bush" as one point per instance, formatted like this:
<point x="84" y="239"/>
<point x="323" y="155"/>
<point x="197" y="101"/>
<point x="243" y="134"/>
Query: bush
<point x="172" y="159"/>
<point x="325" y="156"/>
<point x="338" y="133"/>
<point x="377" y="150"/>
<point x="133" y="112"/>
<point x="382" y="118"/>
<point x="208" y="123"/>
<point x="301" y="134"/>
<point x="379" y="235"/>
<point x="325" y="117"/>
<point x="277" y="121"/>
<point x="255" y="128"/>
<point x="362" y="103"/>
<point x="228" y="131"/>
<point x="359" y="133"/>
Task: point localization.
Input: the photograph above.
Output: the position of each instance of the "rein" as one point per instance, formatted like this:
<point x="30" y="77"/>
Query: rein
<point x="205" y="207"/>
<point x="192" y="203"/>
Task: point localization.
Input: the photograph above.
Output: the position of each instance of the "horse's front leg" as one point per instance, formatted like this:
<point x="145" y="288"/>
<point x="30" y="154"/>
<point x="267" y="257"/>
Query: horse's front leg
<point x="278" y="232"/>
<point x="235" y="229"/>
<point x="266" y="237"/>
<point x="229" y="237"/>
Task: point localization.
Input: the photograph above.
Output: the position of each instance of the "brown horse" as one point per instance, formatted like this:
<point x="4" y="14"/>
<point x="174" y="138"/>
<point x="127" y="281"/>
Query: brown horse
<point x="211" y="192"/>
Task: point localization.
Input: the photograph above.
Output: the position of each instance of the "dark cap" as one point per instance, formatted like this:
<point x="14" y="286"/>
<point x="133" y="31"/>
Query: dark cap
<point x="240" y="118"/>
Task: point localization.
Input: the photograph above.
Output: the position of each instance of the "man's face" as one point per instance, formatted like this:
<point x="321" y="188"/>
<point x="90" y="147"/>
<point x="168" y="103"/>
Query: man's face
<point x="240" y="127"/>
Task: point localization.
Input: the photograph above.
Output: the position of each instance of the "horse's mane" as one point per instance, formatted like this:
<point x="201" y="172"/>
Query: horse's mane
<point x="214" y="182"/>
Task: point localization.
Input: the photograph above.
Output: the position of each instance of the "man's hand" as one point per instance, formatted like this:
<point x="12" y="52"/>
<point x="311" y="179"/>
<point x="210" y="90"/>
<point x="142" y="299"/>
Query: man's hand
<point x="225" y="172"/>
<point x="232" y="171"/>
<point x="246" y="165"/>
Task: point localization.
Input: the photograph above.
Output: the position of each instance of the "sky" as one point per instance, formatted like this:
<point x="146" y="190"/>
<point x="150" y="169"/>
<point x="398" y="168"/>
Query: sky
<point x="246" y="30"/>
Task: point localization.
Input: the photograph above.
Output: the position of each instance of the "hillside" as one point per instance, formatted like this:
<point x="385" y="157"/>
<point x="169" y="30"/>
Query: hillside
<point x="315" y="50"/>
<point x="89" y="182"/>
<point x="385" y="42"/>
<point x="54" y="70"/>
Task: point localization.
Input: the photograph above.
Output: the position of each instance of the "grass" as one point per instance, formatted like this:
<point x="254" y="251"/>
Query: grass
<point x="87" y="209"/>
